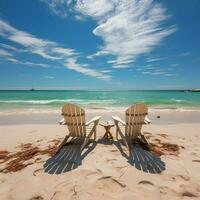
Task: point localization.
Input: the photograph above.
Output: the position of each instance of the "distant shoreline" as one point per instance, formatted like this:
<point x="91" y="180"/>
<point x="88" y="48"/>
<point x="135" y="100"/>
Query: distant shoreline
<point x="85" y="90"/>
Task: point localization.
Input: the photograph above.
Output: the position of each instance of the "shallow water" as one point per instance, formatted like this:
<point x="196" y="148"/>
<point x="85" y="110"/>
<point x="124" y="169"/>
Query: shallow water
<point x="97" y="99"/>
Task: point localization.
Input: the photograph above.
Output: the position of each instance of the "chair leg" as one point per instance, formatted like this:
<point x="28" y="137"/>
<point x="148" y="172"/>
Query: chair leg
<point x="62" y="143"/>
<point x="117" y="130"/>
<point x="124" y="139"/>
<point x="86" y="140"/>
<point x="117" y="135"/>
<point x="95" y="133"/>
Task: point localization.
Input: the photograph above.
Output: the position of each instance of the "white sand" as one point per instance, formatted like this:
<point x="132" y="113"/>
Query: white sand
<point x="104" y="173"/>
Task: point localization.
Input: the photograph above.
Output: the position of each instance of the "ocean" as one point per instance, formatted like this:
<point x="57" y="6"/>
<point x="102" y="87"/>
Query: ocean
<point x="97" y="99"/>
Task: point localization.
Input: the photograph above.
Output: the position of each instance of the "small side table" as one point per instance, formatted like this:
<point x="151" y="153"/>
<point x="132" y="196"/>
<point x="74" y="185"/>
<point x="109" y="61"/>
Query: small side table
<point x="107" y="125"/>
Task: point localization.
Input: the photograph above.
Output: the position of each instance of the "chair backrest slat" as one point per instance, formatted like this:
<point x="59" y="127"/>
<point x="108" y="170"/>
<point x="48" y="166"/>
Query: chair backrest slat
<point x="134" y="118"/>
<point x="75" y="119"/>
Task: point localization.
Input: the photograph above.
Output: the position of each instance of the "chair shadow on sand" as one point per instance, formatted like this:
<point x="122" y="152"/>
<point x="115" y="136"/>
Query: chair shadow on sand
<point x="141" y="158"/>
<point x="68" y="158"/>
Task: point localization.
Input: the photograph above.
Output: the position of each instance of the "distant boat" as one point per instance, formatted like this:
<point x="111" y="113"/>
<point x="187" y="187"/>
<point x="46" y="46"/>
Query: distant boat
<point x="32" y="89"/>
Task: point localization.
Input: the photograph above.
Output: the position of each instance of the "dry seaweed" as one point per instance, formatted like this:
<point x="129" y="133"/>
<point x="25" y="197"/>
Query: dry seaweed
<point x="19" y="160"/>
<point x="160" y="148"/>
<point x="165" y="148"/>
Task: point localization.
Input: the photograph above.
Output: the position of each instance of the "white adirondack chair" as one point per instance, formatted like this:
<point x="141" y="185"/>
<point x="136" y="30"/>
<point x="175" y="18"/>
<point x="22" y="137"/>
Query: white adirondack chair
<point x="136" y="116"/>
<point x="74" y="118"/>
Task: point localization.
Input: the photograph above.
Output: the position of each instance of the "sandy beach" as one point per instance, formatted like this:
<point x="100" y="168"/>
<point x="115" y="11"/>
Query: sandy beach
<point x="105" y="169"/>
<point x="99" y="100"/>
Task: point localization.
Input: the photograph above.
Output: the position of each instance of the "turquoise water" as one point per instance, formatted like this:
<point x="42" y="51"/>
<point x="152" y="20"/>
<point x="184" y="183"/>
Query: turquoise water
<point x="97" y="99"/>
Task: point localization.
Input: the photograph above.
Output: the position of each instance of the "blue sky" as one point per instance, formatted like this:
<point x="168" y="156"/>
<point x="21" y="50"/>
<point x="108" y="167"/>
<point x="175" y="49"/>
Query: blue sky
<point x="93" y="44"/>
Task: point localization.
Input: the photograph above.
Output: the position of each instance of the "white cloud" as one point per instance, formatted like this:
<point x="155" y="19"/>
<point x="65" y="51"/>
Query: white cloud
<point x="155" y="59"/>
<point x="158" y="73"/>
<point x="95" y="8"/>
<point x="16" y="61"/>
<point x="129" y="28"/>
<point x="120" y="66"/>
<point x="34" y="64"/>
<point x="49" y="77"/>
<point x="184" y="54"/>
<point x="174" y="65"/>
<point x="72" y="64"/>
<point x="59" y="7"/>
<point x="45" y="48"/>
<point x="79" y="18"/>
<point x="6" y="46"/>
<point x="106" y="71"/>
<point x="10" y="57"/>
<point x="5" y="53"/>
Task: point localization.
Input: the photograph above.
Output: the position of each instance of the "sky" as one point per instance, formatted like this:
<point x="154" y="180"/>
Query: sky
<point x="99" y="44"/>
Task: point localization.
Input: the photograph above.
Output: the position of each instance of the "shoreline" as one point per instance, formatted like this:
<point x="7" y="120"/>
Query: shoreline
<point x="157" y="116"/>
<point x="24" y="111"/>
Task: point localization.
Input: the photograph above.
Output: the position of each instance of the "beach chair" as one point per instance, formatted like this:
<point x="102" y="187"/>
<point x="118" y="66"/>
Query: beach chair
<point x="135" y="117"/>
<point x="74" y="118"/>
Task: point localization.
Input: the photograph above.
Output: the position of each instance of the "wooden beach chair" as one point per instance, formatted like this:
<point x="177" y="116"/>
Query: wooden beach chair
<point x="135" y="117"/>
<point x="74" y="117"/>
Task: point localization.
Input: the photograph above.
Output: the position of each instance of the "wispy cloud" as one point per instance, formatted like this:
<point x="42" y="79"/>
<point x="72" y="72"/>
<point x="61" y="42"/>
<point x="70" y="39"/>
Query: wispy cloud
<point x="8" y="56"/>
<point x="5" y="53"/>
<point x="49" y="77"/>
<point x="157" y="73"/>
<point x="34" y="64"/>
<point x="72" y="64"/>
<point x="184" y="54"/>
<point x="128" y="28"/>
<point x="95" y="8"/>
<point x="154" y="59"/>
<point x="120" y="66"/>
<point x="106" y="71"/>
<point x="47" y="49"/>
<point x="174" y="65"/>
<point x="59" y="7"/>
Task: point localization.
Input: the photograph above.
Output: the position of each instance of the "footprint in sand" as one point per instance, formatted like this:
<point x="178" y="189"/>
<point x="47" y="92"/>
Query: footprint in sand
<point x="184" y="177"/>
<point x="37" y="198"/>
<point x="112" y="159"/>
<point x="164" y="190"/>
<point x="188" y="194"/>
<point x="38" y="171"/>
<point x="177" y="178"/>
<point x="109" y="184"/>
<point x="58" y="195"/>
<point x="92" y="176"/>
<point x="71" y="194"/>
<point x="113" y="150"/>
<point x="146" y="184"/>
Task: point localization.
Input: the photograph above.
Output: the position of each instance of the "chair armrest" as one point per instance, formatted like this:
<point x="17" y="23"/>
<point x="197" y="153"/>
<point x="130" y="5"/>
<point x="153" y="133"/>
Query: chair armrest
<point x="147" y="120"/>
<point x="118" y="119"/>
<point x="93" y="120"/>
<point x="62" y="121"/>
